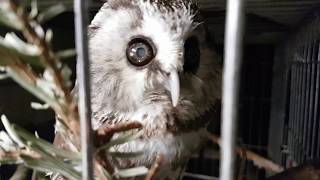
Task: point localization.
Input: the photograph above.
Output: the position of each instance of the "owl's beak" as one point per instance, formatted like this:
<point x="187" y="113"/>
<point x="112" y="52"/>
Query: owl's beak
<point x="174" y="87"/>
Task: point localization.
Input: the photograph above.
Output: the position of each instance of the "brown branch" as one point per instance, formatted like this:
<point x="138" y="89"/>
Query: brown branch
<point x="17" y="154"/>
<point x="242" y="164"/>
<point x="257" y="160"/>
<point x="104" y="134"/>
<point x="118" y="128"/>
<point x="155" y="168"/>
<point x="262" y="162"/>
<point x="101" y="158"/>
<point x="97" y="170"/>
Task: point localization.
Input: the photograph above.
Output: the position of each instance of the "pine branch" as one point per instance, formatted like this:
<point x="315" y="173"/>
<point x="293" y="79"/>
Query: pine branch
<point x="68" y="109"/>
<point x="15" y="155"/>
<point x="52" y="87"/>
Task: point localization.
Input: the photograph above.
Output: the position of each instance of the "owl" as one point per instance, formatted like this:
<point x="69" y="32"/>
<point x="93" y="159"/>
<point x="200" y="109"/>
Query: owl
<point x="152" y="62"/>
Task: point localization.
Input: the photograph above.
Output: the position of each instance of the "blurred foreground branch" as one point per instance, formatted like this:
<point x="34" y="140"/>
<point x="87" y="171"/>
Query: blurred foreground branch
<point x="51" y="83"/>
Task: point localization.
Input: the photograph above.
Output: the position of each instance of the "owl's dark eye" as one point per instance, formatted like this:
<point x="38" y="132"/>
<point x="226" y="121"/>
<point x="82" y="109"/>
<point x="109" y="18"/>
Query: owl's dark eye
<point x="140" y="51"/>
<point x="191" y="55"/>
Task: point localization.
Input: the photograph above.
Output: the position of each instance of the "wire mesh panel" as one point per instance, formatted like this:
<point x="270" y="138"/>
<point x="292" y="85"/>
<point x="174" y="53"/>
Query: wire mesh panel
<point x="303" y="115"/>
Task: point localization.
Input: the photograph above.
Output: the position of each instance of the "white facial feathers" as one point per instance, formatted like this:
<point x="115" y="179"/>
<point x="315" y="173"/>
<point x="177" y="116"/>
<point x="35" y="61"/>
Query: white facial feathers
<point x="119" y="21"/>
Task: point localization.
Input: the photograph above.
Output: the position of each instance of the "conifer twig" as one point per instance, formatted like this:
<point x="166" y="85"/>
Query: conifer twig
<point x="67" y="110"/>
<point x="55" y="92"/>
<point x="17" y="154"/>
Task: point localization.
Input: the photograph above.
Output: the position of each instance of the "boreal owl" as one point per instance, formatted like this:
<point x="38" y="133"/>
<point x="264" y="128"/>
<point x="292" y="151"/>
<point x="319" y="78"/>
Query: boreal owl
<point x="152" y="62"/>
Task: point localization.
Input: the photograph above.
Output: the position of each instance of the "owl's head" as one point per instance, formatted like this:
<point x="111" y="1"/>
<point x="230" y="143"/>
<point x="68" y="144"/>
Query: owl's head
<point x="141" y="50"/>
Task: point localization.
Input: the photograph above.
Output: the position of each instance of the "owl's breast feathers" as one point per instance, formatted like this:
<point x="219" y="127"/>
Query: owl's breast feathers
<point x="160" y="118"/>
<point x="176" y="133"/>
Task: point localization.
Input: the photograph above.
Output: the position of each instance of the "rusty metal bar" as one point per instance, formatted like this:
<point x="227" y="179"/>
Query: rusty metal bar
<point x="231" y="77"/>
<point x="81" y="21"/>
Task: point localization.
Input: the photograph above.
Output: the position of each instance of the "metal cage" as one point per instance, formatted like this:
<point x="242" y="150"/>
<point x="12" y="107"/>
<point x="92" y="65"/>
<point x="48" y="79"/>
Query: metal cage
<point x="297" y="120"/>
<point x="233" y="55"/>
<point x="296" y="87"/>
<point x="293" y="135"/>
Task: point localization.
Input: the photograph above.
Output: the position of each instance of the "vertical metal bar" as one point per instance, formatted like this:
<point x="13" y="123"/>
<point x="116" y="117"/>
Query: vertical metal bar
<point x="81" y="22"/>
<point x="312" y="99"/>
<point x="302" y="101"/>
<point x="301" y="129"/>
<point x="296" y="120"/>
<point x="291" y="110"/>
<point x="231" y="76"/>
<point x="307" y="72"/>
<point x="295" y="104"/>
<point x="295" y="98"/>
<point x="311" y="92"/>
<point x="297" y="128"/>
<point x="316" y="99"/>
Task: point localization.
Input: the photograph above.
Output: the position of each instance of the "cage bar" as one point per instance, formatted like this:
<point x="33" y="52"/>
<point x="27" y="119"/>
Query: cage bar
<point x="296" y="102"/>
<point x="291" y="109"/>
<point x="313" y="98"/>
<point x="81" y="21"/>
<point x="303" y="52"/>
<point x="306" y="66"/>
<point x="316" y="112"/>
<point x="299" y="129"/>
<point x="231" y="76"/>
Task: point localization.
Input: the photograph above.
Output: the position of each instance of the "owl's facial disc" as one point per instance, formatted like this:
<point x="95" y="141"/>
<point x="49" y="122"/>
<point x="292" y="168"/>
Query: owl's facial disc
<point x="140" y="52"/>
